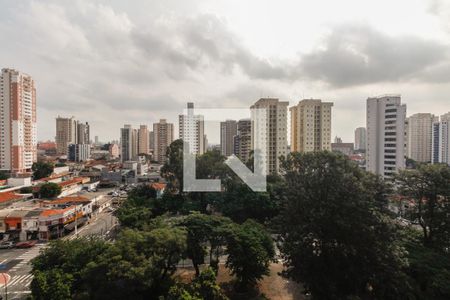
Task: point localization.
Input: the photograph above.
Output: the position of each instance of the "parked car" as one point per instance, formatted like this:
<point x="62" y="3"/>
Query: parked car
<point x="7" y="245"/>
<point x="27" y="244"/>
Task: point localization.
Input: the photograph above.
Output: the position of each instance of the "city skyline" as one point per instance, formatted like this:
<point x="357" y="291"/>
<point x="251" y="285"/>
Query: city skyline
<point x="338" y="58"/>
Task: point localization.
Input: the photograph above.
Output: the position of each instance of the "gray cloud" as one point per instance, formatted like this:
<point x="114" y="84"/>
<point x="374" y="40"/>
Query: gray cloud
<point x="353" y="55"/>
<point x="111" y="63"/>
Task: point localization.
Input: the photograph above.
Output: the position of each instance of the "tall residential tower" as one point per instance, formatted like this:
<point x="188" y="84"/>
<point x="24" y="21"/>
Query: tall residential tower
<point x="311" y="126"/>
<point x="18" y="138"/>
<point x="269" y="130"/>
<point x="162" y="138"/>
<point x="386" y="117"/>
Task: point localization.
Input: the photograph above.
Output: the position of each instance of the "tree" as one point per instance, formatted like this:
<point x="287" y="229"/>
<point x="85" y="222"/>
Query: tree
<point x="240" y="203"/>
<point x="41" y="170"/>
<point x="429" y="187"/>
<point x="203" y="231"/>
<point x="26" y="190"/>
<point x="53" y="284"/>
<point x="203" y="287"/>
<point x="334" y="236"/>
<point x="139" y="265"/>
<point x="172" y="170"/>
<point x="58" y="269"/>
<point x="140" y="207"/>
<point x="3" y="175"/>
<point x="49" y="190"/>
<point x="250" y="250"/>
<point x="429" y="269"/>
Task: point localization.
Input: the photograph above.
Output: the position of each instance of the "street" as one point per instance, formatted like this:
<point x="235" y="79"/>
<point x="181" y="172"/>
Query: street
<point x="15" y="262"/>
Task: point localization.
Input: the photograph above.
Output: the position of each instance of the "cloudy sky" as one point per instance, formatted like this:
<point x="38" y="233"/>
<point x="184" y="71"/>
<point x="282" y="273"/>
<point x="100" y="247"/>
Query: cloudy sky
<point x="115" y="62"/>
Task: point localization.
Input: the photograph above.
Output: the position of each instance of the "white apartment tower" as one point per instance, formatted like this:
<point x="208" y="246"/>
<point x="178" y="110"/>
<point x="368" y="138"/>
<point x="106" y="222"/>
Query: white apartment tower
<point x="163" y="137"/>
<point x="441" y="140"/>
<point x="228" y="130"/>
<point x="385" y="153"/>
<point x="270" y="130"/>
<point x="192" y="130"/>
<point x="360" y="138"/>
<point x="419" y="136"/>
<point x="311" y="126"/>
<point x="18" y="138"/>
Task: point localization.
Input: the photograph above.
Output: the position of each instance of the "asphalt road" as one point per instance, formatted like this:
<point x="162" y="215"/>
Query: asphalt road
<point x="16" y="261"/>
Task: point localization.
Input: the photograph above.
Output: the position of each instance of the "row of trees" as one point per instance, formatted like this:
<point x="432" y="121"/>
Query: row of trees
<point x="334" y="229"/>
<point x="141" y="263"/>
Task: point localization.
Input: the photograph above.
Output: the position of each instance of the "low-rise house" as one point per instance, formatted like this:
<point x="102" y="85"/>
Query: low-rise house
<point x="8" y="197"/>
<point x="3" y="214"/>
<point x="53" y="223"/>
<point x="82" y="204"/>
<point x="72" y="186"/>
<point x="14" y="224"/>
<point x="30" y="224"/>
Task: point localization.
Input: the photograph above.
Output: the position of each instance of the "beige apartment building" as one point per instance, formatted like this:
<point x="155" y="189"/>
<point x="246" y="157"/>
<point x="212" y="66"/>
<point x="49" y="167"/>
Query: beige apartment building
<point x="162" y="138"/>
<point x="269" y="131"/>
<point x="419" y="136"/>
<point x="311" y="126"/>
<point x="143" y="140"/>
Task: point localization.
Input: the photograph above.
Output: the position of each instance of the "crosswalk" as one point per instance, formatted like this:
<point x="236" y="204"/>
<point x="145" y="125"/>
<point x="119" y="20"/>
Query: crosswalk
<point x="22" y="280"/>
<point x="27" y="256"/>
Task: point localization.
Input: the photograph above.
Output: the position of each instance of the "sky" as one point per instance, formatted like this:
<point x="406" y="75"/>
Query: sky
<point x="133" y="62"/>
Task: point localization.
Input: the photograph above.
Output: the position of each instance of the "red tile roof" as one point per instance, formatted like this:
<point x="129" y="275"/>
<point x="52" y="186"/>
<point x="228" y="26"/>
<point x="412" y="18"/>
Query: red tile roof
<point x="71" y="181"/>
<point x="158" y="186"/>
<point x="50" y="212"/>
<point x="9" y="196"/>
<point x="69" y="199"/>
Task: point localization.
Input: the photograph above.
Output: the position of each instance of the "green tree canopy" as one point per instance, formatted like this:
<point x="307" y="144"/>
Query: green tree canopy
<point x="250" y="250"/>
<point x="429" y="187"/>
<point x="41" y="170"/>
<point x="334" y="236"/>
<point x="49" y="190"/>
<point x="205" y="232"/>
<point x="203" y="287"/>
<point x="3" y="175"/>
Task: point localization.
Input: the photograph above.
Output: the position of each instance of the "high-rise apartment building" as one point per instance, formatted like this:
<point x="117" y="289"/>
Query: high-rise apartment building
<point x="83" y="136"/>
<point x="419" y="136"/>
<point x="151" y="141"/>
<point x="128" y="143"/>
<point x="243" y="140"/>
<point x="269" y="130"/>
<point x="360" y="138"/>
<point x="192" y="130"/>
<point x="70" y="131"/>
<point x="440" y="152"/>
<point x="163" y="137"/>
<point x="385" y="153"/>
<point x="18" y="138"/>
<point x="228" y="130"/>
<point x="311" y="126"/>
<point x="79" y="152"/>
<point x="143" y="142"/>
<point x="114" y="150"/>
<point x="66" y="133"/>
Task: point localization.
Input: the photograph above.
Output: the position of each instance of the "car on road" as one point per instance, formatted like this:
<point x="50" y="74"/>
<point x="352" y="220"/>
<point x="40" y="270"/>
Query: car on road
<point x="7" y="245"/>
<point x="27" y="244"/>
